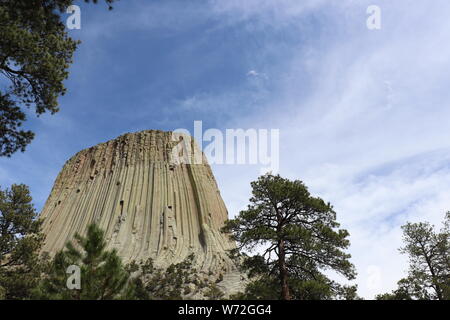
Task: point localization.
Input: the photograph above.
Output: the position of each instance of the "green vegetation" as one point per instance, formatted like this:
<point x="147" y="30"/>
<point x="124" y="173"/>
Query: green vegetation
<point x="429" y="263"/>
<point x="299" y="238"/>
<point x="102" y="274"/>
<point x="177" y="282"/>
<point x="20" y="240"/>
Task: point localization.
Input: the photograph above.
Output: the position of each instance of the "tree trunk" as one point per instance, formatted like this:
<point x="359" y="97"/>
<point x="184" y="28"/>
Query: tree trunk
<point x="285" y="295"/>
<point x="435" y="283"/>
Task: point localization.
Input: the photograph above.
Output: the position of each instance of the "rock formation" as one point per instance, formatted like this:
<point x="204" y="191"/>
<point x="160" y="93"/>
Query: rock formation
<point x="149" y="204"/>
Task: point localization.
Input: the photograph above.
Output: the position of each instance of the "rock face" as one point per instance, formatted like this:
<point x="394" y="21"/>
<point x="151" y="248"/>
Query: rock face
<point x="148" y="205"/>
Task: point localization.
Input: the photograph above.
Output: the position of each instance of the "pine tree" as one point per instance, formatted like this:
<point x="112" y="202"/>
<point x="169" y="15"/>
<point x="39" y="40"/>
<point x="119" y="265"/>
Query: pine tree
<point x="298" y="238"/>
<point x="20" y="241"/>
<point x="429" y="263"/>
<point x="102" y="274"/>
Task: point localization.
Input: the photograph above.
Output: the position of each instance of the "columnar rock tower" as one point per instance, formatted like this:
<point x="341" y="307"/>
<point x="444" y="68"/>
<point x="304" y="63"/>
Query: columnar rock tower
<point x="148" y="205"/>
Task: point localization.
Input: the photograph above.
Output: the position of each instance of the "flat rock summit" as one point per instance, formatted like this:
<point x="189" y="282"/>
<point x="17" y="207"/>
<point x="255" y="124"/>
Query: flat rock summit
<point x="148" y="204"/>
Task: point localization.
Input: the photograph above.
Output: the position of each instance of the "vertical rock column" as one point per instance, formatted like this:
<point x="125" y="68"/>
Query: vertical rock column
<point x="148" y="206"/>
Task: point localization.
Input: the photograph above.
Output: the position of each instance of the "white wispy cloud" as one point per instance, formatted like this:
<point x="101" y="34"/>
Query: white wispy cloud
<point x="256" y="74"/>
<point x="371" y="134"/>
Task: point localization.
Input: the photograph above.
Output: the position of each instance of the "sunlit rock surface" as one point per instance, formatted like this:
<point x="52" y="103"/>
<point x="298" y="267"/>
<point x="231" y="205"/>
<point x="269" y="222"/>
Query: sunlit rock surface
<point x="149" y="204"/>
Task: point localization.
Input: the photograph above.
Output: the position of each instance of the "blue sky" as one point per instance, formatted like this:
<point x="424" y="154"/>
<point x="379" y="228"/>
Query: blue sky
<point x="363" y="114"/>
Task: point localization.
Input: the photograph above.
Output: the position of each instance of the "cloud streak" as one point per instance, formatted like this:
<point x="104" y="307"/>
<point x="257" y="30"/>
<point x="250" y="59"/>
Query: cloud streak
<point x="370" y="133"/>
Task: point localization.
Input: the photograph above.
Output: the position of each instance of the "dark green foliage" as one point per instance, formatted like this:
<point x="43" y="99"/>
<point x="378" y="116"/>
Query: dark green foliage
<point x="266" y="286"/>
<point x="103" y="277"/>
<point x="20" y="241"/>
<point x="35" y="54"/>
<point x="429" y="263"/>
<point x="407" y="288"/>
<point x="299" y="238"/>
<point x="11" y="118"/>
<point x="174" y="283"/>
